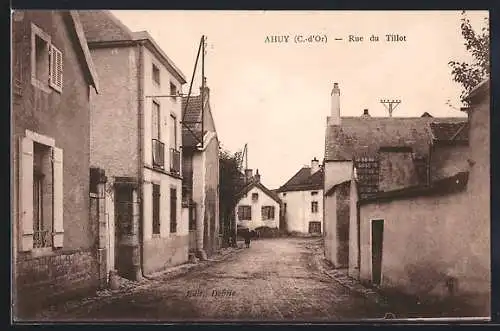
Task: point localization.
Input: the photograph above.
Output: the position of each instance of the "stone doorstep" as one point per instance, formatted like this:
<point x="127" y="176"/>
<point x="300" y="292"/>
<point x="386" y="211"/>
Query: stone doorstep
<point x="128" y="287"/>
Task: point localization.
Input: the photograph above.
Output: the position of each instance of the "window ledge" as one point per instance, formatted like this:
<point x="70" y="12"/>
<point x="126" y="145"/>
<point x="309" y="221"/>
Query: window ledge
<point x="40" y="252"/>
<point x="38" y="84"/>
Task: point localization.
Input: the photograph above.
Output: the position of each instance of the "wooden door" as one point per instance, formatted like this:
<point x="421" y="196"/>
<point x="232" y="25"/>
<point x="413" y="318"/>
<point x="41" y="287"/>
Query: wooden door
<point x="377" y="248"/>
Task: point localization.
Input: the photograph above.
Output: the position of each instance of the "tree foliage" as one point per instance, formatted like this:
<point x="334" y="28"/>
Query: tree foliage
<point x="230" y="177"/>
<point x="471" y="74"/>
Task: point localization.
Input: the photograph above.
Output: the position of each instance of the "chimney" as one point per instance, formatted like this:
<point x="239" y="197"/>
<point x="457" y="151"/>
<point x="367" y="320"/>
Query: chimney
<point x="248" y="174"/>
<point x="257" y="176"/>
<point x="335" y="100"/>
<point x="366" y="114"/>
<point x="314" y="165"/>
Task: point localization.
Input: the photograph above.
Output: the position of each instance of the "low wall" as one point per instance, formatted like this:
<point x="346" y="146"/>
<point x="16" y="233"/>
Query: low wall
<point x="49" y="279"/>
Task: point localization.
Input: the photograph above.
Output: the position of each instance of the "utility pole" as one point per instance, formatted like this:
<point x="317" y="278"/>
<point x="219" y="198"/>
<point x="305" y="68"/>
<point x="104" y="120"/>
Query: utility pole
<point x="390" y="105"/>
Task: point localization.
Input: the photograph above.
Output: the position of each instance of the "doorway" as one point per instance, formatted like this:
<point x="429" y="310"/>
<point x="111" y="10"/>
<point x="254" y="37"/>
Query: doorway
<point x="377" y="248"/>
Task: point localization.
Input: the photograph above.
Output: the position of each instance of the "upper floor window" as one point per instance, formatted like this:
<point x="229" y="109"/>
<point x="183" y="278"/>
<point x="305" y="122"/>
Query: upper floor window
<point x="173" y="89"/>
<point x="156" y="74"/>
<point x="314" y="207"/>
<point x="255" y="196"/>
<point x="314" y="193"/>
<point x="173" y="131"/>
<point x="155" y="121"/>
<point x="46" y="61"/>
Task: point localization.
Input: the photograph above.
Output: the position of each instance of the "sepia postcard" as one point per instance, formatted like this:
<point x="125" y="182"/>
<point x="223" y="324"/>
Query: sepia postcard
<point x="250" y="166"/>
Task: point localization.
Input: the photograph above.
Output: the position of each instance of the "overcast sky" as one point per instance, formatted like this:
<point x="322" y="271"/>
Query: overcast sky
<point x="276" y="96"/>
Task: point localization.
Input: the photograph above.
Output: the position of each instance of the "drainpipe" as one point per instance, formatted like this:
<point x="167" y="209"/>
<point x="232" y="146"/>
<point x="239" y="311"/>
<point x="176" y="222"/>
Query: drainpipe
<point x="140" y="140"/>
<point x="358" y="217"/>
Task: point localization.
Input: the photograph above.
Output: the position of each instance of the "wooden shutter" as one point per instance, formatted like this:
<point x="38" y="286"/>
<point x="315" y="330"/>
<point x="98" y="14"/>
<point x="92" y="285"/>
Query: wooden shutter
<point x="55" y="68"/>
<point x="26" y="193"/>
<point x="58" y="230"/>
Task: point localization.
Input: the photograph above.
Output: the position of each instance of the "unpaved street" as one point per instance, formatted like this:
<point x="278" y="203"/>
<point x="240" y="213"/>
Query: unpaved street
<point x="274" y="280"/>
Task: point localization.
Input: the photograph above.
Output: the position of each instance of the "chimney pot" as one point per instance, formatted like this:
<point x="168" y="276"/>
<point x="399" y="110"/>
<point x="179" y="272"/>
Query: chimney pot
<point x="314" y="165"/>
<point x="257" y="176"/>
<point x="335" y="105"/>
<point x="366" y="114"/>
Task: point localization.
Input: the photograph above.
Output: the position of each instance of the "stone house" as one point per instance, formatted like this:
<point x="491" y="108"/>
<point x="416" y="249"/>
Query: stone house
<point x="54" y="239"/>
<point x="200" y="164"/>
<point x="136" y="137"/>
<point x="434" y="240"/>
<point x="365" y="155"/>
<point x="257" y="206"/>
<point x="302" y="197"/>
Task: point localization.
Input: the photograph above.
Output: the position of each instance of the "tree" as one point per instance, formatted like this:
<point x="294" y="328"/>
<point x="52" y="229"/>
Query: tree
<point x="478" y="44"/>
<point x="230" y="177"/>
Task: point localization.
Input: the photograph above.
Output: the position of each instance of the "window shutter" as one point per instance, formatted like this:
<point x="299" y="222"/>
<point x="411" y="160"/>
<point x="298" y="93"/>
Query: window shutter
<point x="55" y="68"/>
<point x="26" y="193"/>
<point x="58" y="230"/>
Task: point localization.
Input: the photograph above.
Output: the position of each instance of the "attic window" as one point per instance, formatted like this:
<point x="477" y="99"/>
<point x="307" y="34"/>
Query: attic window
<point x="156" y="74"/>
<point x="314" y="192"/>
<point x="173" y="90"/>
<point x="255" y="196"/>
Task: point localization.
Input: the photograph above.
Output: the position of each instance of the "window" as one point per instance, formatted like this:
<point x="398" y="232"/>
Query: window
<point x="284" y="208"/>
<point x="155" y="121"/>
<point x="314" y="193"/>
<point x="314" y="207"/>
<point x="255" y="196"/>
<point x="46" y="61"/>
<point x="41" y="186"/>
<point x="173" y="210"/>
<point x="156" y="74"/>
<point x="173" y="132"/>
<point x="40" y="43"/>
<point x="42" y="196"/>
<point x="244" y="213"/>
<point x="284" y="194"/>
<point x="156" y="209"/>
<point x="268" y="212"/>
<point x="173" y="90"/>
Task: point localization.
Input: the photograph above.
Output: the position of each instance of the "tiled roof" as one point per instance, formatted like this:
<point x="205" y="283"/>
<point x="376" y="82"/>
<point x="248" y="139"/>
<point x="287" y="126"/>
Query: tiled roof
<point x="448" y="185"/>
<point x="447" y="132"/>
<point x="191" y="114"/>
<point x="358" y="137"/>
<point x="304" y="181"/>
<point x="264" y="189"/>
<point x="101" y="25"/>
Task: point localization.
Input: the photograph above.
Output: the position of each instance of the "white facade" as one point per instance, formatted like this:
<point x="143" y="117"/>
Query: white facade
<point x="263" y="200"/>
<point x="171" y="136"/>
<point x="299" y="210"/>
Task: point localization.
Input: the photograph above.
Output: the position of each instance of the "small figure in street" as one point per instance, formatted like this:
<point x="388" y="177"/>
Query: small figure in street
<point x="247" y="238"/>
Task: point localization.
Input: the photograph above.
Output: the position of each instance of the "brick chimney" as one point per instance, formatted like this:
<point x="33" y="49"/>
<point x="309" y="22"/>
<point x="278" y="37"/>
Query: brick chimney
<point x="314" y="165"/>
<point x="335" y="104"/>
<point x="248" y="174"/>
<point x="257" y="176"/>
<point x="366" y="114"/>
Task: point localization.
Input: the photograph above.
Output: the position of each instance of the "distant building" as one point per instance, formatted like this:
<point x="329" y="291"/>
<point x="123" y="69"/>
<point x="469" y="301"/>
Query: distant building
<point x="55" y="232"/>
<point x="200" y="164"/>
<point x="257" y="205"/>
<point x="434" y="240"/>
<point x="302" y="197"/>
<point x="136" y="137"/>
<point x="365" y="155"/>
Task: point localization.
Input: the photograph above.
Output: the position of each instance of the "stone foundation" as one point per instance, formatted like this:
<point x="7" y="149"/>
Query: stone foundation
<point x="53" y="278"/>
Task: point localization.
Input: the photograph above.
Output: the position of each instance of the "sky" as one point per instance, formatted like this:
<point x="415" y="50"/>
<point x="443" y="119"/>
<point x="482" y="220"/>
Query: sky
<point x="275" y="96"/>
